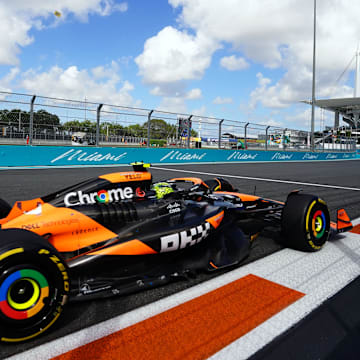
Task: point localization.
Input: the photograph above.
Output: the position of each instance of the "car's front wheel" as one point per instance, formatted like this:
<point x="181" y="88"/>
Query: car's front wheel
<point x="305" y="222"/>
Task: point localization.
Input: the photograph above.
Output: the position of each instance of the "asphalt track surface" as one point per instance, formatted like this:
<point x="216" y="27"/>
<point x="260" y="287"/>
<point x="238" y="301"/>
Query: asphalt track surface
<point x="338" y="183"/>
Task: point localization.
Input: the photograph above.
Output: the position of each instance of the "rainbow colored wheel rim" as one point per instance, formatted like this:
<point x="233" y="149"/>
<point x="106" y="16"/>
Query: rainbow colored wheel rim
<point x="318" y="224"/>
<point x="22" y="294"/>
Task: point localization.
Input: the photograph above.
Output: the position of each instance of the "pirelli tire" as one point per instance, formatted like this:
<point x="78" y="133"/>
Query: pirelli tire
<point x="4" y="209"/>
<point x="34" y="285"/>
<point x="305" y="222"/>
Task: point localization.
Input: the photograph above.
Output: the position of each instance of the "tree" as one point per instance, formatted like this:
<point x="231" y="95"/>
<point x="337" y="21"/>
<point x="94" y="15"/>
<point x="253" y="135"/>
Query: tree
<point x="76" y="125"/>
<point x="135" y="130"/>
<point x="160" y="129"/>
<point x="41" y="118"/>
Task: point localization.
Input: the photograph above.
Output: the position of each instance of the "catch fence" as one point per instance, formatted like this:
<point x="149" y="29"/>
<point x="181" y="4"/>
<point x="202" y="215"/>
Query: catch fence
<point x="44" y="120"/>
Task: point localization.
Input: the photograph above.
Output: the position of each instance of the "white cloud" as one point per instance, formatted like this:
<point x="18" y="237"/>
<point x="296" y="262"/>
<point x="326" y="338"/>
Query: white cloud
<point x="194" y="94"/>
<point x="301" y="118"/>
<point x="173" y="56"/>
<point x="101" y="72"/>
<point x="268" y="31"/>
<point x="176" y="90"/>
<point x="5" y="82"/>
<point x="101" y="84"/>
<point x="201" y="111"/>
<point x="271" y="122"/>
<point x="177" y="102"/>
<point x="173" y="104"/>
<point x="279" y="35"/>
<point x="233" y="63"/>
<point x="18" y="17"/>
<point x="222" y="100"/>
<point x="294" y="87"/>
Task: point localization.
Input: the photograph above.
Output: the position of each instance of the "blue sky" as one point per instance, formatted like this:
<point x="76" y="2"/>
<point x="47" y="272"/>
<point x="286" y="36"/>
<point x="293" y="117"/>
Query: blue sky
<point x="248" y="60"/>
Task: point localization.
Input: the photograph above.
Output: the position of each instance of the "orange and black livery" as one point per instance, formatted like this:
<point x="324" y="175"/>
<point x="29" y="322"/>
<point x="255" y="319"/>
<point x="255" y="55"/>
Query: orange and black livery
<point x="121" y="233"/>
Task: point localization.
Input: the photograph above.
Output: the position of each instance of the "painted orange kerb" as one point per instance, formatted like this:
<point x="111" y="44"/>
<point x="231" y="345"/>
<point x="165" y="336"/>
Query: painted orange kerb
<point x="196" y="329"/>
<point x="356" y="229"/>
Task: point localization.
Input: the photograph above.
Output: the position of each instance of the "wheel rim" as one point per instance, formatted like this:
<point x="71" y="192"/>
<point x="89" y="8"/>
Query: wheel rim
<point x="22" y="294"/>
<point x="318" y="224"/>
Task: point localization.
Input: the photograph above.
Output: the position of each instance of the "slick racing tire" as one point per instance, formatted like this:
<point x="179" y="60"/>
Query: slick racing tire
<point x="4" y="209"/>
<point x="34" y="284"/>
<point x="305" y="222"/>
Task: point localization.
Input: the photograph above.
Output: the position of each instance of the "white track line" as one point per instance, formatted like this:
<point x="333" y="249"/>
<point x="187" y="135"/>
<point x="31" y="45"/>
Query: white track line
<point x="259" y="179"/>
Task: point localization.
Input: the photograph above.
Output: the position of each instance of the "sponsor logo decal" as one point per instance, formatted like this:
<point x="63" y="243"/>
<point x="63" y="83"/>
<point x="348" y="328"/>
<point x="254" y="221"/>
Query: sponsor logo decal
<point x="79" y="198"/>
<point x="30" y="226"/>
<point x="83" y="156"/>
<point x="331" y="156"/>
<point x="280" y="156"/>
<point x="139" y="192"/>
<point x="174" y="208"/>
<point x="308" y="156"/>
<point x="85" y="231"/>
<point x="60" y="266"/>
<point x="184" y="238"/>
<point x="132" y="176"/>
<point x="47" y="224"/>
<point x="66" y="222"/>
<point x="238" y="155"/>
<point x="102" y="196"/>
<point x="178" y="155"/>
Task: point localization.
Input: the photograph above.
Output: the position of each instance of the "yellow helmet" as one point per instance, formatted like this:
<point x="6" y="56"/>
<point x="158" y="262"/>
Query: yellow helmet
<point x="161" y="189"/>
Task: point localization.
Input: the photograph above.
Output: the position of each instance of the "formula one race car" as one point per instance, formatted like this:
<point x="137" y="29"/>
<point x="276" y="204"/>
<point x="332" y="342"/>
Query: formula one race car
<point x="121" y="233"/>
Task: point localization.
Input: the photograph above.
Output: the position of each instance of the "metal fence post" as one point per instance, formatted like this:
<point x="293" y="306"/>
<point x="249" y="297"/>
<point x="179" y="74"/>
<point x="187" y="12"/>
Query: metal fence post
<point x="189" y="132"/>
<point x="356" y="131"/>
<point x="98" y="110"/>
<point x="148" y="128"/>
<point x="245" y="135"/>
<point x="341" y="143"/>
<point x="219" y="140"/>
<point x="31" y="127"/>
<point x="266" y="137"/>
<point x="283" y="139"/>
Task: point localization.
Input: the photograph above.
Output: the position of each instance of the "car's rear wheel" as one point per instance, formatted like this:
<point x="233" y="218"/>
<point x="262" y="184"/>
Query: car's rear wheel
<point x="34" y="284"/>
<point x="4" y="208"/>
<point x="305" y="222"/>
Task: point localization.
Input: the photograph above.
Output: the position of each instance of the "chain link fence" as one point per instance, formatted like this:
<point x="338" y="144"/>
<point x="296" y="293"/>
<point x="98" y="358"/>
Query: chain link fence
<point x="40" y="120"/>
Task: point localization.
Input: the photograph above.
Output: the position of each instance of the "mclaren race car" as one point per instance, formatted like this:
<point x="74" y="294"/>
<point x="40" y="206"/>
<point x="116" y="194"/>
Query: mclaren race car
<point x="120" y="233"/>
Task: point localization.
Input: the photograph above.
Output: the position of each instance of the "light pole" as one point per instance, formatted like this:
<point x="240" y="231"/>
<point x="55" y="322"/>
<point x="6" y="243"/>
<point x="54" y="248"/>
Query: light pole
<point x="313" y="84"/>
<point x="98" y="110"/>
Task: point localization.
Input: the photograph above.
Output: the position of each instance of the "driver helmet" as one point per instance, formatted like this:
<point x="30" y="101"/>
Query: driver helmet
<point x="161" y="189"/>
